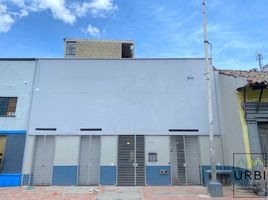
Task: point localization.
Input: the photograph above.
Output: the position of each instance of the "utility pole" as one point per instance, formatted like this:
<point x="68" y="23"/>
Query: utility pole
<point x="214" y="188"/>
<point x="210" y="114"/>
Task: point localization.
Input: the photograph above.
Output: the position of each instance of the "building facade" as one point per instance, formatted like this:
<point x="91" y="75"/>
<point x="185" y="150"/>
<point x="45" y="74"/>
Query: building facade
<point x="16" y="79"/>
<point x="101" y="49"/>
<point x="245" y="98"/>
<point x="119" y="122"/>
<point x="125" y="121"/>
<point x="246" y="125"/>
<point x="265" y="67"/>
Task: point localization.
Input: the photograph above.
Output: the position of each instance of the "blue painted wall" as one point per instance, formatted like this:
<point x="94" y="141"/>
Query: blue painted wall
<point x="6" y="132"/>
<point x="153" y="176"/>
<point x="10" y="180"/>
<point x="14" y="153"/>
<point x="64" y="175"/>
<point x="108" y="175"/>
<point x="205" y="175"/>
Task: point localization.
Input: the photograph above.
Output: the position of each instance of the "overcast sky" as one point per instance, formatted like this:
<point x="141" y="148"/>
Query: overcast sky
<point x="160" y="28"/>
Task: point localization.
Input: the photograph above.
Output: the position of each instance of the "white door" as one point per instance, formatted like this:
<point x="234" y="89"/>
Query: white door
<point x="89" y="162"/>
<point x="43" y="160"/>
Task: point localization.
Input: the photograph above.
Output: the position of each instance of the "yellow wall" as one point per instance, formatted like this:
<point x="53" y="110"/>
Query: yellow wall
<point x="251" y="96"/>
<point x="2" y="146"/>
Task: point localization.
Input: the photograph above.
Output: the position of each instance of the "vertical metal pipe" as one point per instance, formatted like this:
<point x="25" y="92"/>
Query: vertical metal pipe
<point x="185" y="163"/>
<point x="135" y="161"/>
<point x="210" y="114"/>
<point x="89" y="157"/>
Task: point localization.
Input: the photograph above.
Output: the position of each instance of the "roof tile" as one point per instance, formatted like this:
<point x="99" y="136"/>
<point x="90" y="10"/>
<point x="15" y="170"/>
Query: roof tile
<point x="252" y="77"/>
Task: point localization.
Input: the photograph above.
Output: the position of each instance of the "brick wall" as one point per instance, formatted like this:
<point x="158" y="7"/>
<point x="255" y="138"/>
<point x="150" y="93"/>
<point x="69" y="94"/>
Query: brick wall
<point x="97" y="49"/>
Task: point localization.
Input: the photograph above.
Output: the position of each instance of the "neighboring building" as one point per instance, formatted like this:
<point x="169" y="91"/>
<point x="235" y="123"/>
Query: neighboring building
<point x="16" y="80"/>
<point x="119" y="122"/>
<point x="245" y="110"/>
<point x="85" y="48"/>
<point x="265" y="67"/>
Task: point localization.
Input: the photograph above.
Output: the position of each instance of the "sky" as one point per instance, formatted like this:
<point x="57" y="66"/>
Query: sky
<point x="237" y="29"/>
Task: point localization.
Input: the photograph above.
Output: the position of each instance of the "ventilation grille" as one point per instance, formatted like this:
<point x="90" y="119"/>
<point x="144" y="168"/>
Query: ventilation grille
<point x="45" y="129"/>
<point x="90" y="129"/>
<point x="183" y="130"/>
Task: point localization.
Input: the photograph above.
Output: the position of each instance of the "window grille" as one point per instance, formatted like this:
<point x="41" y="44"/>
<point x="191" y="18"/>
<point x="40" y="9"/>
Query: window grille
<point x="152" y="157"/>
<point x="70" y="48"/>
<point x="8" y="106"/>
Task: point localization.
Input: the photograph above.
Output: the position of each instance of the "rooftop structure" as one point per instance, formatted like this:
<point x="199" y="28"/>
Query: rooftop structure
<point x="86" y="48"/>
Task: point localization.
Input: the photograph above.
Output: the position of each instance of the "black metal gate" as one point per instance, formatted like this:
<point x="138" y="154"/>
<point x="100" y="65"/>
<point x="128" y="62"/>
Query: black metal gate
<point x="130" y="160"/>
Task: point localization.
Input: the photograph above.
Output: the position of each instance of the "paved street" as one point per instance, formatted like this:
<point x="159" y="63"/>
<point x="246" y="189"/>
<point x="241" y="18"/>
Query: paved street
<point x="111" y="193"/>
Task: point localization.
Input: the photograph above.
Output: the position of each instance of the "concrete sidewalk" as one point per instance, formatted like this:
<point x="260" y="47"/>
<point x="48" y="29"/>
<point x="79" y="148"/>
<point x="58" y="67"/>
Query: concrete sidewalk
<point x="112" y="193"/>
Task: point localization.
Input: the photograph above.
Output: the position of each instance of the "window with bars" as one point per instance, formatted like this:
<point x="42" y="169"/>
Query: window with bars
<point x="8" y="106"/>
<point x="70" y="48"/>
<point x="152" y="157"/>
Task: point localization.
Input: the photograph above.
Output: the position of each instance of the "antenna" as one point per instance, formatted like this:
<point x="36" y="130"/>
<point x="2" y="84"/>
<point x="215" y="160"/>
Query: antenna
<point x="259" y="58"/>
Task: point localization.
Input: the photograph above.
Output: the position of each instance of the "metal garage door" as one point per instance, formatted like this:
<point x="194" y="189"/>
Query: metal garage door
<point x="263" y="134"/>
<point x="43" y="160"/>
<point x="89" y="162"/>
<point x="185" y="160"/>
<point x="130" y="160"/>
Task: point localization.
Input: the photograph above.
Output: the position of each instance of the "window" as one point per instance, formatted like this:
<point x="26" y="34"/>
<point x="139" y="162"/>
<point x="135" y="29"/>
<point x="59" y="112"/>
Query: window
<point x="70" y="48"/>
<point x="152" y="157"/>
<point x="127" y="50"/>
<point x="8" y="106"/>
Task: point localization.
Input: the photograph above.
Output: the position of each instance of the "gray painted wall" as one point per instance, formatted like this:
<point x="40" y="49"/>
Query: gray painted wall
<point x="13" y="75"/>
<point x="140" y="96"/>
<point x="205" y="150"/>
<point x="232" y="137"/>
<point x="108" y="150"/>
<point x="28" y="154"/>
<point x="66" y="150"/>
<point x="159" y="145"/>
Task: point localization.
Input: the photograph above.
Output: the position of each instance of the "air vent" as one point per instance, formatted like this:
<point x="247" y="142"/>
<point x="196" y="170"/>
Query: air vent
<point x="183" y="130"/>
<point x="90" y="129"/>
<point x="45" y="129"/>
